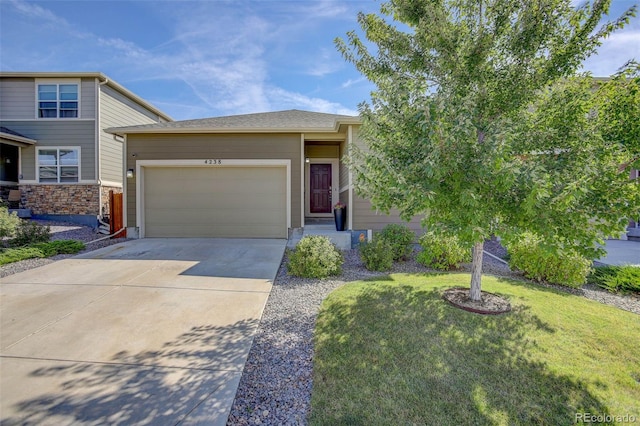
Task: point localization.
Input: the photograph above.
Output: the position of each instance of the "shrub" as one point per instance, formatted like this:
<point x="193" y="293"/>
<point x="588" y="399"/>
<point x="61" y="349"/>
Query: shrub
<point x="30" y="232"/>
<point x="399" y="238"/>
<point x="40" y="250"/>
<point x="616" y="278"/>
<point x="442" y="252"/>
<point x="9" y="222"/>
<point x="52" y="248"/>
<point x="376" y="255"/>
<point x="565" y="268"/>
<point x="315" y="257"/>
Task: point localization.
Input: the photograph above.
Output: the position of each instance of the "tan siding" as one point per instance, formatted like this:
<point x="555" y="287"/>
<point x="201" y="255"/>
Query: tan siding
<point x="364" y="217"/>
<point x="197" y="146"/>
<point x="116" y="110"/>
<point x="344" y="170"/>
<point x="17" y="99"/>
<point x="57" y="133"/>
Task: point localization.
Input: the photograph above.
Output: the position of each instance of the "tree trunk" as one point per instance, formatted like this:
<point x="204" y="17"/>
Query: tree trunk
<point x="476" y="272"/>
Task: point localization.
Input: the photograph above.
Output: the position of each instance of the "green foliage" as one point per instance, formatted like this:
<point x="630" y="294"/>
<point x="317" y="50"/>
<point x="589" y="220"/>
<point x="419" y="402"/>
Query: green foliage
<point x="8" y="222"/>
<point x="618" y="109"/>
<point x="40" y="250"/>
<point x="476" y="123"/>
<point x="377" y="255"/>
<point x="616" y="278"/>
<point x="315" y="257"/>
<point x="541" y="262"/>
<point x="442" y="252"/>
<point x="400" y="238"/>
<point x="30" y="232"/>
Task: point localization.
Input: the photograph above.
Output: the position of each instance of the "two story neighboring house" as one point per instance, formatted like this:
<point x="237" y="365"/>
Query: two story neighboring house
<point x="53" y="148"/>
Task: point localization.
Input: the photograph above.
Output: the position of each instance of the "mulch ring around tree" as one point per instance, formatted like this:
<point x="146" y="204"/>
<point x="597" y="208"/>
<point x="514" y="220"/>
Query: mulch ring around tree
<point x="489" y="304"/>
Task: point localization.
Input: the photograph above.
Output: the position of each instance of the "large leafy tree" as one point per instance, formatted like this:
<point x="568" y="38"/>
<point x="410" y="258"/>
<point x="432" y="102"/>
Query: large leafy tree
<point x="476" y="124"/>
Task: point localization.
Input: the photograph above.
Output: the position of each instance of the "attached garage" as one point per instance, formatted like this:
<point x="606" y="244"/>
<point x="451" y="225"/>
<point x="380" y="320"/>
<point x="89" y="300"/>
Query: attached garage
<point x="214" y="198"/>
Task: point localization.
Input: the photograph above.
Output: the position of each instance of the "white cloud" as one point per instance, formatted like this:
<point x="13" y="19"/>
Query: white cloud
<point x="352" y="82"/>
<point x="283" y="99"/>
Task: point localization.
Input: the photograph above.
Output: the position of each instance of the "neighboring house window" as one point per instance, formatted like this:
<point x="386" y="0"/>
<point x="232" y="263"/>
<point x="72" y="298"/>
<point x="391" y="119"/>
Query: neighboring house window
<point x="58" y="165"/>
<point x="57" y="101"/>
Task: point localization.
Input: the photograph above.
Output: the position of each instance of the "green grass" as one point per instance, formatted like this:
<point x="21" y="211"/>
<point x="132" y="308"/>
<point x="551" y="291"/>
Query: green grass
<point x="391" y="351"/>
<point x="40" y="250"/>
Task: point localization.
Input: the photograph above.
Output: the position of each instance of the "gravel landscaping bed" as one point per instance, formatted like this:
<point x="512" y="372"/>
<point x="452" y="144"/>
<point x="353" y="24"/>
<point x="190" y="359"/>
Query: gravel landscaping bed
<point x="61" y="231"/>
<point x="275" y="387"/>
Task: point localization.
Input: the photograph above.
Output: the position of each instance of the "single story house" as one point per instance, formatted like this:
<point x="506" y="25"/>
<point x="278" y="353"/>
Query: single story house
<point x="53" y="148"/>
<point x="251" y="175"/>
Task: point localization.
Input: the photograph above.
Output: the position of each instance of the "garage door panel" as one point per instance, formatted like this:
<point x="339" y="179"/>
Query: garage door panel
<point x="215" y="202"/>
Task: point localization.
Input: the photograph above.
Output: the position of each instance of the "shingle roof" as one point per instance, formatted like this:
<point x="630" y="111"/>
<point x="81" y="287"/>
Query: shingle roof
<point x="289" y="120"/>
<point x="9" y="134"/>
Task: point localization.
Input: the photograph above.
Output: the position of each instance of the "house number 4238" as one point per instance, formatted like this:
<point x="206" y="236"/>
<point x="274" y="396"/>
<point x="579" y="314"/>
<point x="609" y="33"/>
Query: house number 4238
<point x="214" y="162"/>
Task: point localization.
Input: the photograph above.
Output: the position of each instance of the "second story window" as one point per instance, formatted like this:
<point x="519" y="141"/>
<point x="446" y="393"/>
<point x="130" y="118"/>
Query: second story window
<point x="57" y="101"/>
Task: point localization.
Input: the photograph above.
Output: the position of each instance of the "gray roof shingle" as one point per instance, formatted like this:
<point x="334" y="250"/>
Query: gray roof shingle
<point x="289" y="120"/>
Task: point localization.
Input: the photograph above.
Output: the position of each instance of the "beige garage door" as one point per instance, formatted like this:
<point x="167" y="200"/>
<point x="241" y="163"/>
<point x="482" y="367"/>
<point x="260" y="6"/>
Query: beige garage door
<point x="234" y="202"/>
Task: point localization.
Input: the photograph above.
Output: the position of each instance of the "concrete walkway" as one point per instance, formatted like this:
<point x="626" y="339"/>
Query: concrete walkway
<point x="621" y="252"/>
<point x="153" y="331"/>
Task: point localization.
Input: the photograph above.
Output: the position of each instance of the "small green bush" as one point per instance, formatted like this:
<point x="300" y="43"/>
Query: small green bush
<point x="616" y="278"/>
<point x="30" y="232"/>
<point x="442" y="252"/>
<point x="8" y="222"/>
<point x="315" y="256"/>
<point x="376" y="255"/>
<point x="400" y="238"/>
<point x="566" y="268"/>
<point x="40" y="250"/>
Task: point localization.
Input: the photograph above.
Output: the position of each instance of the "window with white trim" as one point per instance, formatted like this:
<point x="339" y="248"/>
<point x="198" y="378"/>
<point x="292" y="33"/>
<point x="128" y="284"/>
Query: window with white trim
<point x="58" y="165"/>
<point x="57" y="100"/>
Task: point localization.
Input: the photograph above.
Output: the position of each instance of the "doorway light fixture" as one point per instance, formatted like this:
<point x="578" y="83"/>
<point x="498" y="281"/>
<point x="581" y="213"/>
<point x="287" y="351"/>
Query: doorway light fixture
<point x="130" y="173"/>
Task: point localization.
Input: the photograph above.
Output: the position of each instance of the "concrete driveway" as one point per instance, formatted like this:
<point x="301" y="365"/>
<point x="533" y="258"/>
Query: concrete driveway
<point x="152" y="331"/>
<point x="621" y="252"/>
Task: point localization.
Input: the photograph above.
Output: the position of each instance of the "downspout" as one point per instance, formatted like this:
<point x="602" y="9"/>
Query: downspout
<point x="302" y="180"/>
<point x="350" y="183"/>
<point x="97" y="144"/>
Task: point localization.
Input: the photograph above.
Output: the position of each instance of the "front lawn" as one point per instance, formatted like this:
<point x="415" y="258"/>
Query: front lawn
<point x="391" y="351"/>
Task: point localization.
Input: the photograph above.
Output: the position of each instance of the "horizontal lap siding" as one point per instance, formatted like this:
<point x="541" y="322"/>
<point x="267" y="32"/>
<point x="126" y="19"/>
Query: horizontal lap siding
<point x="71" y="133"/>
<point x="364" y="217"/>
<point x="17" y="99"/>
<point x="201" y="146"/>
<point x="116" y="110"/>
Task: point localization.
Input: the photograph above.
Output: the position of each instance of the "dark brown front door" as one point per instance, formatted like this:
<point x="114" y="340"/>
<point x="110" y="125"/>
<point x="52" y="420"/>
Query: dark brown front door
<point x="320" y="188"/>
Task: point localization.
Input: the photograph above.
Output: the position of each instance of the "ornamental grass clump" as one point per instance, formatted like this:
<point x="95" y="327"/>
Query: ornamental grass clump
<point x="9" y="222"/>
<point x="315" y="256"/>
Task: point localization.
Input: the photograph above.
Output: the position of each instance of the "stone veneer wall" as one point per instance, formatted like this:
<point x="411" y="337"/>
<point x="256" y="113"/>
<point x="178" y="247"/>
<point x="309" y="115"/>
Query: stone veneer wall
<point x="62" y="199"/>
<point x="104" y="194"/>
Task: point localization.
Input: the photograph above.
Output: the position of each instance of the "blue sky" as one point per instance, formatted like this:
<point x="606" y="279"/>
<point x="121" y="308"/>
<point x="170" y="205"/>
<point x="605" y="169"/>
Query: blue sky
<point x="195" y="59"/>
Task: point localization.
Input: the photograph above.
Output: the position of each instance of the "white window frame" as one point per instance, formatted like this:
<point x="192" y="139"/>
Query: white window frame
<point x="57" y="83"/>
<point x="58" y="166"/>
